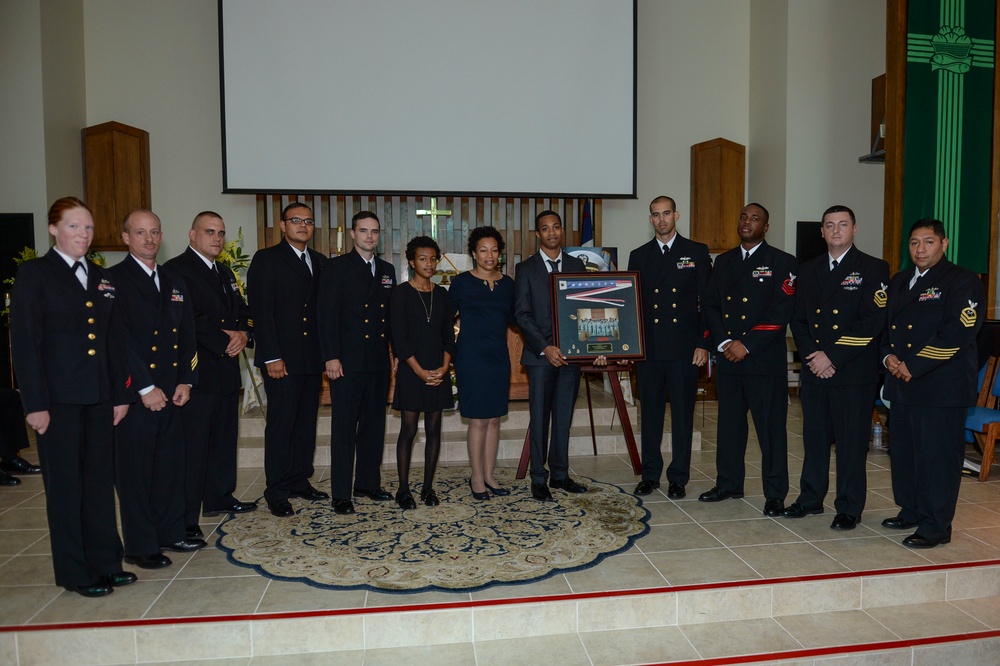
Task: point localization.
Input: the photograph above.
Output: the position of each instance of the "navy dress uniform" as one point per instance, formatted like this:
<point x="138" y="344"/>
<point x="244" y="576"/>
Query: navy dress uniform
<point x="931" y="327"/>
<point x="211" y="418"/>
<point x="149" y="446"/>
<point x="354" y="328"/>
<point x="552" y="391"/>
<point x="840" y="312"/>
<point x="282" y="290"/>
<point x="751" y="301"/>
<point x="67" y="343"/>
<point x="673" y="286"/>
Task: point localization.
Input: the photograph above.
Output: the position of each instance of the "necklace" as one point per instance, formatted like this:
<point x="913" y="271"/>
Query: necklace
<point x="489" y="283"/>
<point x="427" y="310"/>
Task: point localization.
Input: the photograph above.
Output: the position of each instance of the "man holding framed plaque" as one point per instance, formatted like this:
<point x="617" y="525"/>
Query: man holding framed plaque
<point x="675" y="273"/>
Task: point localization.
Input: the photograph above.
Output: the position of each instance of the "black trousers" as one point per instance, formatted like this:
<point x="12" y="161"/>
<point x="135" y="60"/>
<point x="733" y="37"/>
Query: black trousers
<point x="552" y="395"/>
<point x="766" y="398"/>
<point x="357" y="436"/>
<point x="77" y="456"/>
<point x="925" y="458"/>
<point x="657" y="378"/>
<point x="211" y="431"/>
<point x="290" y="434"/>
<point x="845" y="411"/>
<point x="13" y="432"/>
<point x="149" y="475"/>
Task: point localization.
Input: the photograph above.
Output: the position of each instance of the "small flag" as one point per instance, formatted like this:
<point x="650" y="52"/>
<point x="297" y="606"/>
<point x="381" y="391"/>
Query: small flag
<point x="586" y="226"/>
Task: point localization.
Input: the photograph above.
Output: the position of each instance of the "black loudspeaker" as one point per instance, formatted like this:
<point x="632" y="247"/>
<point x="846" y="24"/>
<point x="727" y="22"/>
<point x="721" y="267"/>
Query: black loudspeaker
<point x="809" y="244"/>
<point x="17" y="231"/>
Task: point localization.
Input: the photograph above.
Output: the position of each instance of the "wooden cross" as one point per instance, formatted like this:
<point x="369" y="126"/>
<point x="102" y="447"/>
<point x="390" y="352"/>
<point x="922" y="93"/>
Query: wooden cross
<point x="434" y="214"/>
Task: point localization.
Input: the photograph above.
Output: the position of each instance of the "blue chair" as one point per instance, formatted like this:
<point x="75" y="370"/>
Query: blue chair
<point x="982" y="425"/>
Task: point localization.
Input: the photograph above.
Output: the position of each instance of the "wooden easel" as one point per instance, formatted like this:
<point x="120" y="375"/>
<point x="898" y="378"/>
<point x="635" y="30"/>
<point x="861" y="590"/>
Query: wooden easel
<point x="616" y="390"/>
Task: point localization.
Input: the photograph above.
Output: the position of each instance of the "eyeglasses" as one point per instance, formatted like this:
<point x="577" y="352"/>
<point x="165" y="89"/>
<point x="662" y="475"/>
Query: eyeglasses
<point x="309" y="222"/>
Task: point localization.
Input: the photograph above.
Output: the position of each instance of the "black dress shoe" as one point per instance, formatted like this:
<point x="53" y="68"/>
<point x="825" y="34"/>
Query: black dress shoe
<point x="541" y="492"/>
<point x="18" y="465"/>
<point x="235" y="507"/>
<point x="843" y="521"/>
<point x="645" y="487"/>
<point x="120" y="579"/>
<point x="282" y="509"/>
<point x="919" y="541"/>
<point x="155" y="561"/>
<point x="676" y="491"/>
<point x="404" y="498"/>
<point x="193" y="532"/>
<point x="310" y="494"/>
<point x="567" y="484"/>
<point x="796" y="510"/>
<point x="8" y="480"/>
<point x="499" y="492"/>
<point x="897" y="523"/>
<point x="343" y="507"/>
<point x="773" y="507"/>
<point x="379" y="494"/>
<point x="95" y="590"/>
<point x="185" y="545"/>
<point x="717" y="494"/>
<point x="429" y="498"/>
<point x="485" y="495"/>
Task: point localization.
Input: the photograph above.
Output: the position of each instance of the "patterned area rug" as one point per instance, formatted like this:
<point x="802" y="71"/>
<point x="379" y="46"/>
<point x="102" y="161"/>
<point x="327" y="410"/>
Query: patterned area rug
<point x="461" y="545"/>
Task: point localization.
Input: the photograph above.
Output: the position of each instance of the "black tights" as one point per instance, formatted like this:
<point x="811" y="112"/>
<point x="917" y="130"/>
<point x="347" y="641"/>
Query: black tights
<point x="404" y="446"/>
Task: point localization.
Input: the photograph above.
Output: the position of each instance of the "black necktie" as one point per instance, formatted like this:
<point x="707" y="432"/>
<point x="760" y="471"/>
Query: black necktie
<point x="746" y="255"/>
<point x="554" y="263"/>
<point x="153" y="278"/>
<point x="833" y="265"/>
<point x="666" y="250"/>
<point x="78" y="266"/>
<point x="218" y="274"/>
<point x="916" y="278"/>
<point x="371" y="265"/>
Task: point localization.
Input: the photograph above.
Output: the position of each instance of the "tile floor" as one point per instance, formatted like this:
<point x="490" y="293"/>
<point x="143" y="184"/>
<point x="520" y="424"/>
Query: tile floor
<point x="689" y="543"/>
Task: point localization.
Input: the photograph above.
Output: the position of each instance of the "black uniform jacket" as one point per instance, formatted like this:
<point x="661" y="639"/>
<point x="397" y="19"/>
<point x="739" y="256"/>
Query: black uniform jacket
<point x="842" y="313"/>
<point x="932" y="328"/>
<point x="752" y="301"/>
<point x="282" y="294"/>
<point x="218" y="307"/>
<point x="161" y="324"/>
<point x="68" y="342"/>
<point x="672" y="290"/>
<point x="354" y="312"/>
<point x="533" y="304"/>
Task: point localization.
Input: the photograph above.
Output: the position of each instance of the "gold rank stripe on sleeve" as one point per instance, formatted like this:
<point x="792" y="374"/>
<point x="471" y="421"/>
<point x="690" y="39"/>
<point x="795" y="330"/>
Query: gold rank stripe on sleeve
<point x="849" y="341"/>
<point x="968" y="316"/>
<point x="937" y="353"/>
<point x="194" y="361"/>
<point x="250" y="322"/>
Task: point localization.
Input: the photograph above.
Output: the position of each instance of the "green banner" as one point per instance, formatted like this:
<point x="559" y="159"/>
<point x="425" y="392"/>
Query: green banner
<point x="949" y="124"/>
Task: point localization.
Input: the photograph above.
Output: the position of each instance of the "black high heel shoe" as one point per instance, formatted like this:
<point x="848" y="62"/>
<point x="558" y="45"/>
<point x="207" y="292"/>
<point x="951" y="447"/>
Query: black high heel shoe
<point x="405" y="500"/>
<point x="485" y="495"/>
<point x="499" y="492"/>
<point x="429" y="497"/>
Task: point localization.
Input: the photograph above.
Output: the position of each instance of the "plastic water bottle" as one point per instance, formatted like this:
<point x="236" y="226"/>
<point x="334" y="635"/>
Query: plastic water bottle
<point x="877" y="436"/>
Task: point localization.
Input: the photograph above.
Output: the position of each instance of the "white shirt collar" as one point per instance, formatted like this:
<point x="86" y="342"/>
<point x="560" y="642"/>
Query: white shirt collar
<point x="149" y="271"/>
<point x="208" y="262"/>
<point x="70" y="260"/>
<point x="546" y="260"/>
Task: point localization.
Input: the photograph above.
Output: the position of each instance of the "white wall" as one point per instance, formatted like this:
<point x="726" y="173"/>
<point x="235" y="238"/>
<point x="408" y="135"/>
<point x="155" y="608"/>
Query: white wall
<point x="154" y="65"/>
<point x="22" y="131"/>
<point x="693" y="86"/>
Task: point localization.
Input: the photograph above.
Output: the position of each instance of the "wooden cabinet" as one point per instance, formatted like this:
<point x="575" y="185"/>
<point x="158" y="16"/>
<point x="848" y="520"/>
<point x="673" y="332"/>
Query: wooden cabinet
<point x="718" y="175"/>
<point x="115" y="178"/>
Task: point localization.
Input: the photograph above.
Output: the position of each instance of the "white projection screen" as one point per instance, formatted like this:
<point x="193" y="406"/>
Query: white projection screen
<point x="443" y="97"/>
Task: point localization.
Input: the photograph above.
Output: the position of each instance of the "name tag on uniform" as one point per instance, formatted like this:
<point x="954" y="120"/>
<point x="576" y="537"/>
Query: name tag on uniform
<point x="852" y="282"/>
<point x="107" y="288"/>
<point x="685" y="262"/>
<point x="176" y="297"/>
<point x="932" y="294"/>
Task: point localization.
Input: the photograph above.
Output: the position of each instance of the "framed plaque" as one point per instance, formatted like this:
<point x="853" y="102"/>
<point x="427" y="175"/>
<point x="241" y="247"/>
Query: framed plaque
<point x="597" y="314"/>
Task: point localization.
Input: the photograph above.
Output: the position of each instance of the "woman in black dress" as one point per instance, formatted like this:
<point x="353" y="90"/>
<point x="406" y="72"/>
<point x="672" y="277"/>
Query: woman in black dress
<point x="484" y="298"/>
<point x="423" y="339"/>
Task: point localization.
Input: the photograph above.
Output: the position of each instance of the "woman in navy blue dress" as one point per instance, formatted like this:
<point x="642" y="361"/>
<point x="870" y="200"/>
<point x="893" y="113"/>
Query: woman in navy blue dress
<point x="483" y="298"/>
<point x="423" y="339"/>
